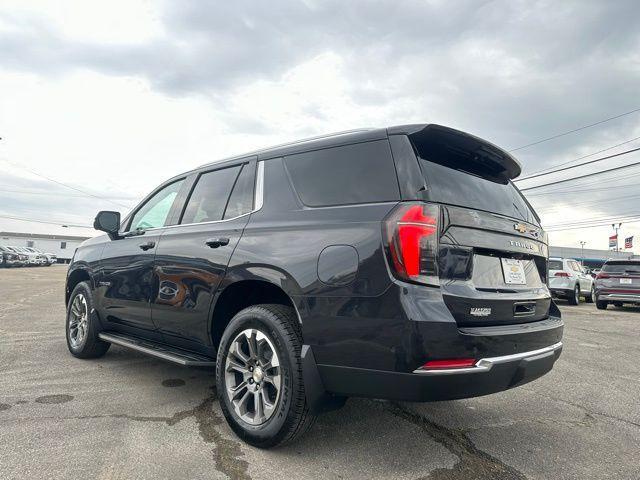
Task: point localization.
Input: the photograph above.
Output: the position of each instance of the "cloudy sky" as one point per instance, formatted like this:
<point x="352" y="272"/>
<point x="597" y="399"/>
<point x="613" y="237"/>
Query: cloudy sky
<point x="111" y="98"/>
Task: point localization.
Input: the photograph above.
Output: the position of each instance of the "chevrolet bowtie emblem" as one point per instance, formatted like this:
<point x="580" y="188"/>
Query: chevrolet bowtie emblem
<point x="520" y="227"/>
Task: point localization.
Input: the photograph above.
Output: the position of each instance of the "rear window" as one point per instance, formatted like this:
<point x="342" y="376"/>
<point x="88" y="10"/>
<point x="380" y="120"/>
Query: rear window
<point x="555" y="264"/>
<point x="452" y="184"/>
<point x="621" y="267"/>
<point x="360" y="173"/>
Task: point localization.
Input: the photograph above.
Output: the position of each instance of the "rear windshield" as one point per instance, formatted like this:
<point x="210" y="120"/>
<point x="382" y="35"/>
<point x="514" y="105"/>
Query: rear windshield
<point x="555" y="264"/>
<point x="453" y="185"/>
<point x="626" y="267"/>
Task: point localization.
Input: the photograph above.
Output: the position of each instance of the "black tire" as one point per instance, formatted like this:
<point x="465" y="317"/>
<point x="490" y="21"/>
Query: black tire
<point x="575" y="298"/>
<point x="592" y="295"/>
<point x="291" y="417"/>
<point x="90" y="346"/>
<point x="600" y="305"/>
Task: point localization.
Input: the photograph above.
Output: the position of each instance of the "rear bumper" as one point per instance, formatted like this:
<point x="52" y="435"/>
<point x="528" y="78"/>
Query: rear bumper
<point x="490" y="375"/>
<point x="379" y="357"/>
<point x="561" y="292"/>
<point x="619" y="297"/>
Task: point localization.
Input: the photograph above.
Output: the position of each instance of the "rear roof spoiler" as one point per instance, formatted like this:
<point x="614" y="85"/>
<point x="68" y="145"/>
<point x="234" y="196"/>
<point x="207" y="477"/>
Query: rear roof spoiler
<point x="463" y="147"/>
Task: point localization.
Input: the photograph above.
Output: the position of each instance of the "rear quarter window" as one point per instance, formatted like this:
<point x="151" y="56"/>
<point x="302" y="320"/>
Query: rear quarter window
<point x="555" y="264"/>
<point x="351" y="174"/>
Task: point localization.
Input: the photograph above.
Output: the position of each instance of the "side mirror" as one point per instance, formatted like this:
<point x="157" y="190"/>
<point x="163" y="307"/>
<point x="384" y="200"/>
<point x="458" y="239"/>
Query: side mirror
<point x="109" y="222"/>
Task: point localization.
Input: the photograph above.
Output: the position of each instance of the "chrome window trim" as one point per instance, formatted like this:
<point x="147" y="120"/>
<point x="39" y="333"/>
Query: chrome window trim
<point x="257" y="205"/>
<point x="485" y="364"/>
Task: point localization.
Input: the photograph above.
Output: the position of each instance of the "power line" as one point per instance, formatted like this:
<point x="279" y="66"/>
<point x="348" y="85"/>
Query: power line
<point x="581" y="176"/>
<point x="579" y="165"/>
<point x="582" y="190"/>
<point x="584" y="156"/>
<point x="603" y="224"/>
<point x="65" y="224"/>
<point x="584" y="204"/>
<point x="33" y="192"/>
<point x="587" y="221"/>
<point x="63" y="184"/>
<point x="573" y="131"/>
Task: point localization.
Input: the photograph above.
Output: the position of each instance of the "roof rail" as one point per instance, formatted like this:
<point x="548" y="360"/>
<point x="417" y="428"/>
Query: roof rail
<point x="295" y="142"/>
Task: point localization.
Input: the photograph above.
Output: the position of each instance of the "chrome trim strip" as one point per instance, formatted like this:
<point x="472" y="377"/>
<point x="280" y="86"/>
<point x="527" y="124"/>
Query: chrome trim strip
<point x="622" y="296"/>
<point x="152" y="352"/>
<point x="485" y="364"/>
<point x="258" y="202"/>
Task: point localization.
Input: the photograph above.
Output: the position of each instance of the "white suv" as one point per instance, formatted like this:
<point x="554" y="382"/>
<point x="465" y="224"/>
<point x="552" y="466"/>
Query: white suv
<point x="567" y="279"/>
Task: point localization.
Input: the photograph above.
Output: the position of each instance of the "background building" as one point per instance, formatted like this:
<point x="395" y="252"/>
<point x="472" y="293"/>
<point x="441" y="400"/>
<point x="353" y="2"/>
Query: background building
<point x="61" y="245"/>
<point x="592" y="258"/>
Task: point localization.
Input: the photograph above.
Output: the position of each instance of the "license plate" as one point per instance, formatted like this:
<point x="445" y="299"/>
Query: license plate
<point x="626" y="280"/>
<point x="513" y="271"/>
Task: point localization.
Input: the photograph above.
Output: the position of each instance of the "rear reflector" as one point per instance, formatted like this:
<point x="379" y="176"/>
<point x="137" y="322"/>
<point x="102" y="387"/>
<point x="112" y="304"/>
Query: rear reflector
<point x="603" y="275"/>
<point x="451" y="363"/>
<point x="561" y="274"/>
<point x="411" y="242"/>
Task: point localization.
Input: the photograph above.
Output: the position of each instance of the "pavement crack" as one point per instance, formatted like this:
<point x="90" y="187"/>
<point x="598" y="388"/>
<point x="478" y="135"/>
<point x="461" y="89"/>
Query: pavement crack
<point x="226" y="452"/>
<point x="587" y="411"/>
<point x="473" y="463"/>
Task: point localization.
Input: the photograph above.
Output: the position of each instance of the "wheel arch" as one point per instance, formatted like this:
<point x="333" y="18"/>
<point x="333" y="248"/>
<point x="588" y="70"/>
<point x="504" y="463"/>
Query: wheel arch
<point x="74" y="277"/>
<point x="241" y="294"/>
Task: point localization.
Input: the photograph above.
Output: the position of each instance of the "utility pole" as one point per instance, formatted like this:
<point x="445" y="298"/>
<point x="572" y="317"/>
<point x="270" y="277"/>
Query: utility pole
<point x="582" y="244"/>
<point x="616" y="230"/>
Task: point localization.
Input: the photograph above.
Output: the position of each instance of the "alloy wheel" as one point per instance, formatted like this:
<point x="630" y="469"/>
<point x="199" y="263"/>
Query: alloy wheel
<point x="78" y="320"/>
<point x="252" y="376"/>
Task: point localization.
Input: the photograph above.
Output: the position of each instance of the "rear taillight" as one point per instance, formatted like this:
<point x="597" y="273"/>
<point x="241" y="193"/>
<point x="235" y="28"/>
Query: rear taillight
<point x="411" y="241"/>
<point x="561" y="274"/>
<point x="603" y="275"/>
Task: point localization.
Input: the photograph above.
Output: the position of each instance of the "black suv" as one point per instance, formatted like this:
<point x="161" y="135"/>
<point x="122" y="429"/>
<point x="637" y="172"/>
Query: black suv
<point x="396" y="263"/>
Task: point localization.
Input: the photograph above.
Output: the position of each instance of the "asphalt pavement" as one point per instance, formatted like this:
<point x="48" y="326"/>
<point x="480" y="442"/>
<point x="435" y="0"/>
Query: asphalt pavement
<point x="128" y="416"/>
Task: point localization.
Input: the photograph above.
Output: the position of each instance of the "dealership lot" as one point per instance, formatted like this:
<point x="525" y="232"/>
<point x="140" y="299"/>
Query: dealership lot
<point x="130" y="416"/>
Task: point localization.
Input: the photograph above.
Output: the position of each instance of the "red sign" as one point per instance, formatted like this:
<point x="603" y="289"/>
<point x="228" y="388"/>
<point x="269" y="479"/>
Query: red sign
<point x="613" y="241"/>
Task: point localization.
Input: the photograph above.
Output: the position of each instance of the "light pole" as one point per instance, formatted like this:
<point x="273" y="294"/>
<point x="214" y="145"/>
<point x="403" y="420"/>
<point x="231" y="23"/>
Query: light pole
<point x="582" y="244"/>
<point x="616" y="230"/>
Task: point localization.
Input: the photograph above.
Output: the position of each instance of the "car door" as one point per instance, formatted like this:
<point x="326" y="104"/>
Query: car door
<point x="125" y="282"/>
<point x="585" y="285"/>
<point x="192" y="257"/>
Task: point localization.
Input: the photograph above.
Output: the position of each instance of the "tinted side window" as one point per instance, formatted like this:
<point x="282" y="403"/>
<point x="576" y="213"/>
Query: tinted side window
<point x="241" y="199"/>
<point x="209" y="197"/>
<point x="155" y="211"/>
<point x="360" y="173"/>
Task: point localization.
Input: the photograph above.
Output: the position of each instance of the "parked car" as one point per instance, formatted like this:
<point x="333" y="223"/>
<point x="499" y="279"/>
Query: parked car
<point x="33" y="259"/>
<point x="48" y="259"/>
<point x="569" y="280"/>
<point x="397" y="263"/>
<point x="618" y="282"/>
<point x="8" y="258"/>
<point x="13" y="258"/>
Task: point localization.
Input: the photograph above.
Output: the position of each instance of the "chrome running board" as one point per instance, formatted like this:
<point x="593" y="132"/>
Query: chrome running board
<point x="158" y="350"/>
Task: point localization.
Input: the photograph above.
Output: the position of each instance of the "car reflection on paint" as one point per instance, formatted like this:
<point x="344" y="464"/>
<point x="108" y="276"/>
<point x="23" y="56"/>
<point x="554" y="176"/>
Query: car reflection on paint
<point x="181" y="287"/>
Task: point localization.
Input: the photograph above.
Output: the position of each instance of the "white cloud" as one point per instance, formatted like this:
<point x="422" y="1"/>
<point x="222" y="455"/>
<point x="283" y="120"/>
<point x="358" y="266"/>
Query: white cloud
<point x="115" y="97"/>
